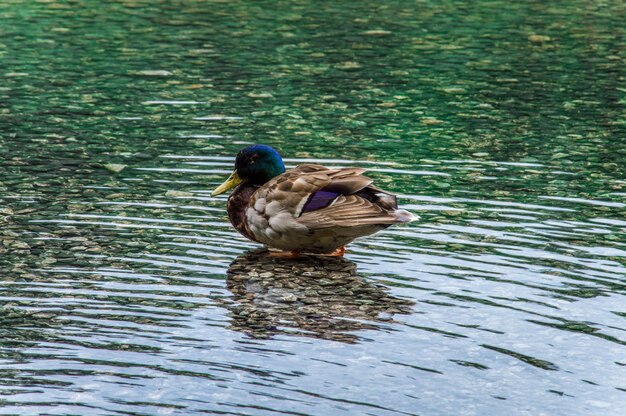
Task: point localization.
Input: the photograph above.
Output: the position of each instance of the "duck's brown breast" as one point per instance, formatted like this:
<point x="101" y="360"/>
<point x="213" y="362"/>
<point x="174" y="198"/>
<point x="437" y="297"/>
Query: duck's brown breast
<point x="236" y="208"/>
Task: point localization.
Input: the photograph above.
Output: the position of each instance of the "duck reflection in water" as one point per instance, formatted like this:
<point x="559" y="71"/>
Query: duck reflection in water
<point x="313" y="296"/>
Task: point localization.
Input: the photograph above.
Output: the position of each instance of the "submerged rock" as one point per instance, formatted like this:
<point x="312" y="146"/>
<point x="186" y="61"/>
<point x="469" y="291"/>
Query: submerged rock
<point x="114" y="167"/>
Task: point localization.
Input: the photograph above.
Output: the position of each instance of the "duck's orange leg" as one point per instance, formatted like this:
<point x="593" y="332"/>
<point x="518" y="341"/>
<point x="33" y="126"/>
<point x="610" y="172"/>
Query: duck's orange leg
<point x="285" y="254"/>
<point x="339" y="252"/>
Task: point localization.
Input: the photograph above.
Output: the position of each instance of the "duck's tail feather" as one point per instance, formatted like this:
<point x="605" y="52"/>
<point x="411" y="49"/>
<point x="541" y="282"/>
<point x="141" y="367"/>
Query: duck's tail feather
<point x="403" y="215"/>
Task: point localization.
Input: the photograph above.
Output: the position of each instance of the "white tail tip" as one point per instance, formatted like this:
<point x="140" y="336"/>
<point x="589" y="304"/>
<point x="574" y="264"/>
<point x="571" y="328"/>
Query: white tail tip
<point x="403" y="215"/>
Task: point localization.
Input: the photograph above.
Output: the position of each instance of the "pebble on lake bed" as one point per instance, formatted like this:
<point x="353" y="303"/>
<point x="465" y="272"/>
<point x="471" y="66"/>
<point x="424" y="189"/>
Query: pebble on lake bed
<point x="178" y="194"/>
<point x="114" y="167"/>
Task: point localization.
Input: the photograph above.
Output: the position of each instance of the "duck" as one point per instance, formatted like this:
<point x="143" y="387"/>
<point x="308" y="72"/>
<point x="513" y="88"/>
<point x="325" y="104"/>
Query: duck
<point x="308" y="209"/>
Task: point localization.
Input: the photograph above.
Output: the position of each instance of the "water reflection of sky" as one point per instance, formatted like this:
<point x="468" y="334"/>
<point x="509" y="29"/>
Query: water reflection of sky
<point x="157" y="294"/>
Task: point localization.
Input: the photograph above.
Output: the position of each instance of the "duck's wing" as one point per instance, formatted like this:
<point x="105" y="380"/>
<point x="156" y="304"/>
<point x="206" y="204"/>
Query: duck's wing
<point x="319" y="197"/>
<point x="349" y="211"/>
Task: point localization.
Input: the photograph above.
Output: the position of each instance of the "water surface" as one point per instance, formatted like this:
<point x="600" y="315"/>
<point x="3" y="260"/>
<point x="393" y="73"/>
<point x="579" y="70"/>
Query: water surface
<point x="128" y="293"/>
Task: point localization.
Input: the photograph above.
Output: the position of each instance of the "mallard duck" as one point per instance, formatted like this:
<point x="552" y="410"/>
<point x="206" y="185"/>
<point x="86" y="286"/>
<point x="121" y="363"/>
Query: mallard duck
<point x="310" y="208"/>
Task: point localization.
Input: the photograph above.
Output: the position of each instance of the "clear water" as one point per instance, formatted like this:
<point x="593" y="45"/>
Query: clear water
<point x="501" y="124"/>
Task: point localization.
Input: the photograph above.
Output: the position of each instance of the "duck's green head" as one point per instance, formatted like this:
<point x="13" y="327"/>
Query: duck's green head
<point x="255" y="165"/>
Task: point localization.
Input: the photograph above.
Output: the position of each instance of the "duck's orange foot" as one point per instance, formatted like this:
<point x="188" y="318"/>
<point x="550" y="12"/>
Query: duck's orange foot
<point x="285" y="254"/>
<point x="339" y="252"/>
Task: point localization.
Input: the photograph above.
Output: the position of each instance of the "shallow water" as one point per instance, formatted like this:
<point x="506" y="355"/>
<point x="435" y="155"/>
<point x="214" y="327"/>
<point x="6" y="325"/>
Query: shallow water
<point x="501" y="125"/>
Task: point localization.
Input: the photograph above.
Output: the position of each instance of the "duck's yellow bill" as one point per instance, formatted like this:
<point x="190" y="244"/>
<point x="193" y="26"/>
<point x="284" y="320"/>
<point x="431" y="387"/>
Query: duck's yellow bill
<point x="232" y="181"/>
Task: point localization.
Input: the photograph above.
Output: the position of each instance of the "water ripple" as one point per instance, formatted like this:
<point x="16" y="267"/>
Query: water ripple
<point x="124" y="289"/>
